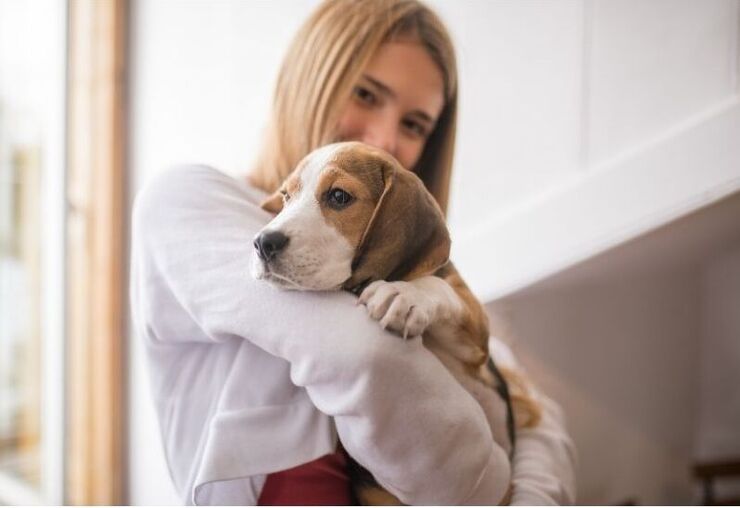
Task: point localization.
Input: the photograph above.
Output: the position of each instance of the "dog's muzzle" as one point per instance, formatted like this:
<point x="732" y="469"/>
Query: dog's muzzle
<point x="269" y="244"/>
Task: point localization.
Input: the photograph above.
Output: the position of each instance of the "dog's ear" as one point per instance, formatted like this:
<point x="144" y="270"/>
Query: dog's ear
<point x="273" y="203"/>
<point x="406" y="236"/>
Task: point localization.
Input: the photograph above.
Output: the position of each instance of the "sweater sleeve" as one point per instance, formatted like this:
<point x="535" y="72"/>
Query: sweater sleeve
<point x="397" y="410"/>
<point x="543" y="469"/>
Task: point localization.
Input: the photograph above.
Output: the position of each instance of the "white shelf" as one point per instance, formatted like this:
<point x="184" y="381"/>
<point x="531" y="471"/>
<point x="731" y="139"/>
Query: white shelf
<point x="684" y="170"/>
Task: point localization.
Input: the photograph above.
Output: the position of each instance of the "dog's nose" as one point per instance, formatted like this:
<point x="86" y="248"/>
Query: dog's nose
<point x="269" y="243"/>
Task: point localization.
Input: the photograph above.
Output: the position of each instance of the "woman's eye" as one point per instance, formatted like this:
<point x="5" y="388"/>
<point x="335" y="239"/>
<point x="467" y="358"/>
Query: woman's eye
<point x="338" y="198"/>
<point x="365" y="96"/>
<point x="415" y="128"/>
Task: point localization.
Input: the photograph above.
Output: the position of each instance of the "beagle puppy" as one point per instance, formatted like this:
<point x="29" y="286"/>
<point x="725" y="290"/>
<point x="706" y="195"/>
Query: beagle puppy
<point x="351" y="217"/>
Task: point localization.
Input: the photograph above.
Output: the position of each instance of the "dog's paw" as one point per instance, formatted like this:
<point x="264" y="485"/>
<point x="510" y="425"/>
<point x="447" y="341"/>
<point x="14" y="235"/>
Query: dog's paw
<point x="398" y="306"/>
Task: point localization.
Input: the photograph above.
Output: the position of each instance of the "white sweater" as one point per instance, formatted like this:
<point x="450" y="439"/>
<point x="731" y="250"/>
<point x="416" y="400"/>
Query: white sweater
<point x="248" y="379"/>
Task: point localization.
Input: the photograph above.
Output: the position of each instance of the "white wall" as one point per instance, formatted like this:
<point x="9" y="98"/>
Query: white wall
<point x="621" y="356"/>
<point x="202" y="79"/>
<point x="717" y="435"/>
<point x="718" y="430"/>
<point x="553" y="96"/>
<point x="645" y="364"/>
<point x="639" y="344"/>
<point x="520" y="102"/>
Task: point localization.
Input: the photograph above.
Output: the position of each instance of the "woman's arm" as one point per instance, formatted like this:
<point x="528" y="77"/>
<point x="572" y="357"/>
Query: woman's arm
<point x="544" y="461"/>
<point x="397" y="409"/>
<point x="543" y="470"/>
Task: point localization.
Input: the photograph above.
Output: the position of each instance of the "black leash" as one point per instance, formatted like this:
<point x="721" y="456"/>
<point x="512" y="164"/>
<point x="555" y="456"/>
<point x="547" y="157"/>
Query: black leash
<point x="503" y="390"/>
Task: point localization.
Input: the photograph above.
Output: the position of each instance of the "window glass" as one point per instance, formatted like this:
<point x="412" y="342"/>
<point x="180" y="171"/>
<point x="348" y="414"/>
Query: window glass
<point x="29" y="99"/>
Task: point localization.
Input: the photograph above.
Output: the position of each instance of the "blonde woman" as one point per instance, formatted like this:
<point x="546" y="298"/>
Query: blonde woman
<point x="255" y="387"/>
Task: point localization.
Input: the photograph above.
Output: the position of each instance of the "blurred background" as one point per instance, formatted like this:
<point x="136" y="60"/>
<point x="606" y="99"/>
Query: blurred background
<point x="595" y="211"/>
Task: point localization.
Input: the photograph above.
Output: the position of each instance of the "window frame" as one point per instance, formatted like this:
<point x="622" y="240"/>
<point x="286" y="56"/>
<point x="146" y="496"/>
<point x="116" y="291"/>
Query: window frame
<point x="97" y="63"/>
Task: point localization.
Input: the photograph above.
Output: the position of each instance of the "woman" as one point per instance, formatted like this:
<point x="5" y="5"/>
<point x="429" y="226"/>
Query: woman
<point x="253" y="386"/>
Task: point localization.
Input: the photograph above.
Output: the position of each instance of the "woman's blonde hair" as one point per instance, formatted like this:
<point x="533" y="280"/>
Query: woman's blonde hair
<point x="324" y="63"/>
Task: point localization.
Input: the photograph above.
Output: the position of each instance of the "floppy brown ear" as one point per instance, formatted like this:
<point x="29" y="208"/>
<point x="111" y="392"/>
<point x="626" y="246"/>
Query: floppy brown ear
<point x="274" y="203"/>
<point x="406" y="237"/>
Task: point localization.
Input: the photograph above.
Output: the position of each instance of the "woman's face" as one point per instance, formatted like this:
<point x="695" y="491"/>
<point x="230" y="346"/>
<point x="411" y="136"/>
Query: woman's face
<point x="396" y="103"/>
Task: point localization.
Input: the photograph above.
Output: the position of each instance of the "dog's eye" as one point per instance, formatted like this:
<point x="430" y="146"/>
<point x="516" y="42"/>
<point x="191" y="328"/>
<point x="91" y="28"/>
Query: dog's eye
<point x="338" y="198"/>
<point x="286" y="196"/>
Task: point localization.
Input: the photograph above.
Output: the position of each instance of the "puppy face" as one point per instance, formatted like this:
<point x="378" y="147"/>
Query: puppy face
<point x="346" y="216"/>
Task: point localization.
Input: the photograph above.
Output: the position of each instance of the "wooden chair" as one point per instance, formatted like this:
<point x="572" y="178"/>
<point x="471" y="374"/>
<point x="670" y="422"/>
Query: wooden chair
<point x="707" y="472"/>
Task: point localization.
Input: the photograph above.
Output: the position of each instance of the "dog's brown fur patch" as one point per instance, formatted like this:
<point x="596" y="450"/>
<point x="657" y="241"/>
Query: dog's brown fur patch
<point x="290" y="187"/>
<point x="377" y="496"/>
<point x="351" y="221"/>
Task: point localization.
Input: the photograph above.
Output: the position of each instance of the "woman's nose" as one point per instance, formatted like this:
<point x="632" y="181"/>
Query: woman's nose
<point x="382" y="136"/>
